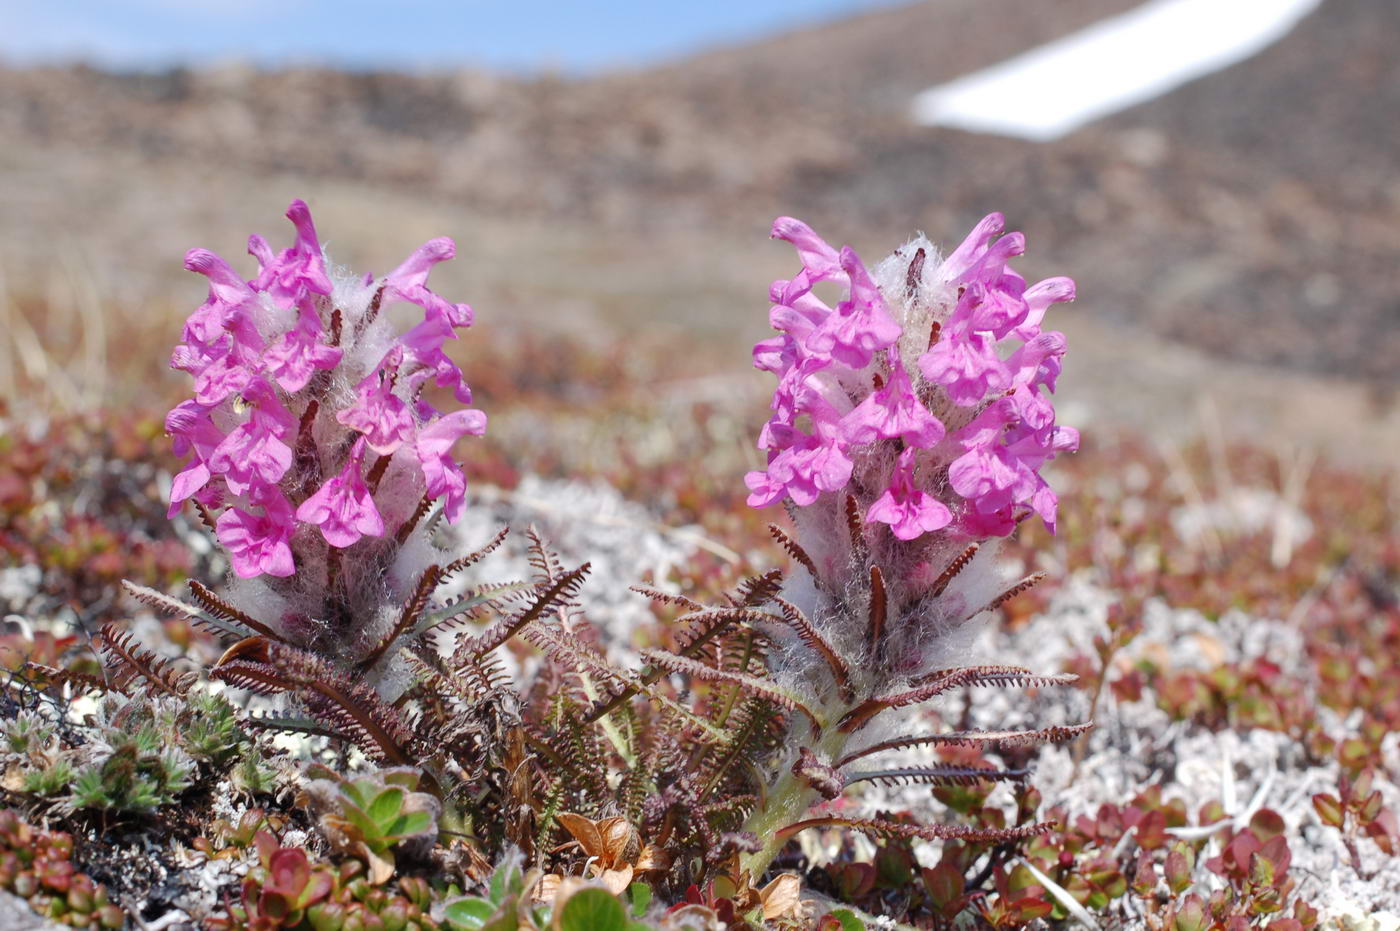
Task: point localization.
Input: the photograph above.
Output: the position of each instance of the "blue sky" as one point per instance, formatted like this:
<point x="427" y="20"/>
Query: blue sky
<point x="570" y="35"/>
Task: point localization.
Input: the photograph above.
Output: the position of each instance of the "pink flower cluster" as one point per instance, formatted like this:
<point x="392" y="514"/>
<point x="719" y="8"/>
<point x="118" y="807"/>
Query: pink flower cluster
<point x="937" y="387"/>
<point x="274" y="358"/>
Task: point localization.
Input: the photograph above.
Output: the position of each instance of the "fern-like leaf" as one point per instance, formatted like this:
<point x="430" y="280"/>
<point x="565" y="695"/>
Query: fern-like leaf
<point x="471" y="559"/>
<point x="564" y="587"/>
<point x="936" y="776"/>
<point x="794" y="550"/>
<point x="176" y="608"/>
<point x="227" y="612"/>
<point x="701" y="629"/>
<point x="1006" y="738"/>
<point x="945" y="680"/>
<point x="81" y="681"/>
<point x="1025" y="584"/>
<point x="668" y="598"/>
<point x="941" y="584"/>
<point x="347" y="706"/>
<point x="877" y="827"/>
<point x="758" y="590"/>
<point x="808" y="634"/>
<point x="752" y="685"/>
<point x="127" y="661"/>
<point x="875" y="625"/>
<point x="408" y="617"/>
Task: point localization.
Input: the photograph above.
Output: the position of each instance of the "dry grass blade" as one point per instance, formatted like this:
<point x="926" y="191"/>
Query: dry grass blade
<point x="288" y="724"/>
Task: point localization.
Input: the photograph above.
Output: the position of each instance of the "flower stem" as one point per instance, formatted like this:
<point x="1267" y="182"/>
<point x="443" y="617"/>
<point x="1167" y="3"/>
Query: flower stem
<point x="788" y="799"/>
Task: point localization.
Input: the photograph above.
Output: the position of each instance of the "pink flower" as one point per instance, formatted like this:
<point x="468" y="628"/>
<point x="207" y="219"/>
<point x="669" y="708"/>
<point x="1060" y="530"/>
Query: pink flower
<point x="909" y="511"/>
<point x="408" y="282"/>
<point x="299" y="353"/>
<point x="423" y="344"/>
<point x="440" y="472"/>
<point x="966" y="366"/>
<point x="840" y="415"/>
<point x="893" y="411"/>
<point x="1039" y="297"/>
<point x="861" y="324"/>
<point x="192" y="430"/>
<point x="819" y="259"/>
<point x="343" y="507"/>
<point x="224" y="374"/>
<point x="259" y="544"/>
<point x="302" y="268"/>
<point x="254" y="454"/>
<point x="803" y="470"/>
<point x="378" y="413"/>
<point x="999" y="474"/>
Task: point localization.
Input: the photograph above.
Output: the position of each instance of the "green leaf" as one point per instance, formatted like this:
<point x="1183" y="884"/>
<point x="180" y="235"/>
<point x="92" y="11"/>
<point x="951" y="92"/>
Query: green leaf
<point x="360" y="793"/>
<point x="468" y="914"/>
<point x="848" y="919"/>
<point x="592" y="910"/>
<point x="506" y="880"/>
<point x="640" y="896"/>
<point x="385" y="807"/>
<point x="1329" y="809"/>
<point x="409" y="824"/>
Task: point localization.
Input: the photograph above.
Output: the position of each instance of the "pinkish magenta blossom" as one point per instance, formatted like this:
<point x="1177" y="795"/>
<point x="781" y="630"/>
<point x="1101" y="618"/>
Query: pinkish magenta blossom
<point x="861" y="325"/>
<point x="193" y="432"/>
<point x="224" y="375"/>
<point x="1039" y="297"/>
<point x="843" y="410"/>
<point x="908" y="510"/>
<point x="378" y="413"/>
<point x="423" y="344"/>
<point x="266" y="425"/>
<point x="343" y="507"/>
<point x="893" y="411"/>
<point x="803" y="470"/>
<point x="967" y="367"/>
<point x="294" y="358"/>
<point x="819" y="260"/>
<point x="259" y="544"/>
<point x="287" y="278"/>
<point x="407" y="282"/>
<point x="434" y="449"/>
<point x="254" y="453"/>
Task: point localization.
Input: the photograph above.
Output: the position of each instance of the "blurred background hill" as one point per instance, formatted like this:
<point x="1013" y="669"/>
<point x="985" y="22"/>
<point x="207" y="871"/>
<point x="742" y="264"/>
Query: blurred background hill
<point x="1234" y="241"/>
